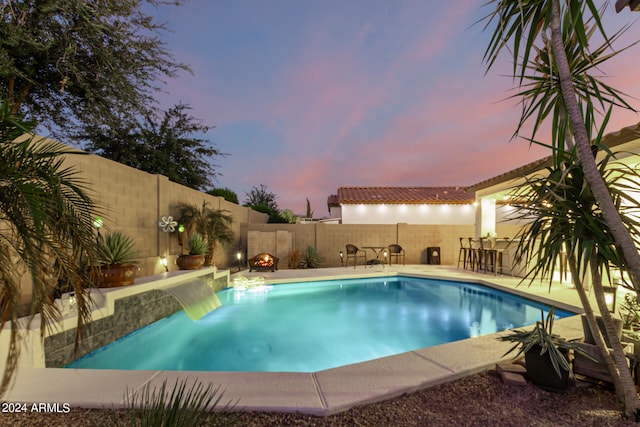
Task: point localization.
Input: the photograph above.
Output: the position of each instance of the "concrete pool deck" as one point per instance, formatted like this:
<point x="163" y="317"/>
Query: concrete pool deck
<point x="319" y="393"/>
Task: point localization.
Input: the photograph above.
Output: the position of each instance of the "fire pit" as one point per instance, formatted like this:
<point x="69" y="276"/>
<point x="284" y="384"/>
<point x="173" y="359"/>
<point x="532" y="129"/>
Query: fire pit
<point x="263" y="262"/>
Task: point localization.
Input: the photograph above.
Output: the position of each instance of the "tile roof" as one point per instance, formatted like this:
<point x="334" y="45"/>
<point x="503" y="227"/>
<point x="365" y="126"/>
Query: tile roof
<point x="611" y="140"/>
<point x="397" y="195"/>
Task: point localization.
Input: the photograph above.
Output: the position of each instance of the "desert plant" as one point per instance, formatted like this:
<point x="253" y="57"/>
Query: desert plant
<point x="542" y="336"/>
<point x="311" y="258"/>
<point x="46" y="211"/>
<point x="197" y="245"/>
<point x="116" y="248"/>
<point x="180" y="406"/>
<point x="213" y="224"/>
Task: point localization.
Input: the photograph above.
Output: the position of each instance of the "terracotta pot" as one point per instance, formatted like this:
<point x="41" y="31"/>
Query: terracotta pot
<point x="111" y="276"/>
<point x="190" y="262"/>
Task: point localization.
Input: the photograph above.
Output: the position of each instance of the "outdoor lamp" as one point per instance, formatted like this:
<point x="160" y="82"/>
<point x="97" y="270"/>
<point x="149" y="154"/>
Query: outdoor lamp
<point x="341" y="259"/>
<point x="163" y="261"/>
<point x="610" y="297"/>
<point x="386" y="254"/>
<point x="180" y="231"/>
<point x="239" y="258"/>
<point x="97" y="223"/>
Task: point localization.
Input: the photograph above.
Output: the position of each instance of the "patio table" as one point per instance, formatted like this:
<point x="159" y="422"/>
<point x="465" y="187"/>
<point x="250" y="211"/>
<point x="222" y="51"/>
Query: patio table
<point x="376" y="250"/>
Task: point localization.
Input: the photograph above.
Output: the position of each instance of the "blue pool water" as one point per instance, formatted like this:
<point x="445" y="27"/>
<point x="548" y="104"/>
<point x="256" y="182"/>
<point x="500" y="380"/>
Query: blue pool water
<point x="312" y="326"/>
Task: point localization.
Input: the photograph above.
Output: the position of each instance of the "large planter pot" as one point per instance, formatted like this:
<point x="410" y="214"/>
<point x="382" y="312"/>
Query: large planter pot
<point x="541" y="372"/>
<point x="190" y="262"/>
<point x="111" y="276"/>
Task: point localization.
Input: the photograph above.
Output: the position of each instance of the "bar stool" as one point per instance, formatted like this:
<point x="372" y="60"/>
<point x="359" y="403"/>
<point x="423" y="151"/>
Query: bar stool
<point x="488" y="255"/>
<point x="474" y="254"/>
<point x="464" y="254"/>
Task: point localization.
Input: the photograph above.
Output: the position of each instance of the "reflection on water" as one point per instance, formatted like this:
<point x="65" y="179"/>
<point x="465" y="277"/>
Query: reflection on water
<point x="318" y="325"/>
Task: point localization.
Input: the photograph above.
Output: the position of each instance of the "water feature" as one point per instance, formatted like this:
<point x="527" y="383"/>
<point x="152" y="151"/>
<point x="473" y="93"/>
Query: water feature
<point x="313" y="326"/>
<point x="196" y="297"/>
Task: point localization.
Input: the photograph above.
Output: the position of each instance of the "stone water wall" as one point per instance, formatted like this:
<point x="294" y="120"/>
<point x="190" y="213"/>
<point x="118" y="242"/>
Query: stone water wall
<point x="130" y="313"/>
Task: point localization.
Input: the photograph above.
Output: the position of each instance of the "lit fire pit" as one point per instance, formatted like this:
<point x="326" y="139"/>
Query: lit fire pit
<point x="263" y="262"/>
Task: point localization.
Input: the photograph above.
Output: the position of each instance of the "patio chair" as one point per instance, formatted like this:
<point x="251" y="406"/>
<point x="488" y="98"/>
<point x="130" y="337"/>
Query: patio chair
<point x="354" y="253"/>
<point x="396" y="251"/>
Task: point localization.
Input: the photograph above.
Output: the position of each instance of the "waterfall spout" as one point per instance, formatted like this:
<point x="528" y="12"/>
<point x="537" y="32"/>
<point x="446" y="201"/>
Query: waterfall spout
<point x="196" y="297"/>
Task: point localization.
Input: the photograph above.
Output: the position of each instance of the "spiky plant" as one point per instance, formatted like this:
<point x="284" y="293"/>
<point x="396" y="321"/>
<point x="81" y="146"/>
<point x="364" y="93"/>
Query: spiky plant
<point x="46" y="212"/>
<point x="183" y="405"/>
<point x="311" y="258"/>
<point x="197" y="245"/>
<point x="116" y="248"/>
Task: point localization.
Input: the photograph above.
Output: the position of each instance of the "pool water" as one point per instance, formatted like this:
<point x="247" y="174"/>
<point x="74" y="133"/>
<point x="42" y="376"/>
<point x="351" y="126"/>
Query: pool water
<point x="308" y="327"/>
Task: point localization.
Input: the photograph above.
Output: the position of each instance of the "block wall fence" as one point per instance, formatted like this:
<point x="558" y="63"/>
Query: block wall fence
<point x="133" y="202"/>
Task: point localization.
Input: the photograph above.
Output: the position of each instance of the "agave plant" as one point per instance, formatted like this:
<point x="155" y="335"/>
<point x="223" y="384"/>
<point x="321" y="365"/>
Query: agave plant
<point x="116" y="248"/>
<point x="197" y="245"/>
<point x="311" y="258"/>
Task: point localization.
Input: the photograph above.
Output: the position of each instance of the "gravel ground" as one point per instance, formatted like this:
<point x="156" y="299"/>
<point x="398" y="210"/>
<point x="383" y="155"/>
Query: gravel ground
<point x="477" y="400"/>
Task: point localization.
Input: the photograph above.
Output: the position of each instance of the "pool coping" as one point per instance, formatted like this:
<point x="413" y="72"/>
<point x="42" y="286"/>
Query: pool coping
<point x="319" y="393"/>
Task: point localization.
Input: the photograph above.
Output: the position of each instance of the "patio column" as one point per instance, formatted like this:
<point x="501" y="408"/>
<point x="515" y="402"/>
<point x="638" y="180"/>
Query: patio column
<point x="486" y="217"/>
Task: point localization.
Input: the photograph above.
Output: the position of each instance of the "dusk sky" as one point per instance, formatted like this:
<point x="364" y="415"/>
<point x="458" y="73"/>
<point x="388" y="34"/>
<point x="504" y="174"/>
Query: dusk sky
<point x="307" y="96"/>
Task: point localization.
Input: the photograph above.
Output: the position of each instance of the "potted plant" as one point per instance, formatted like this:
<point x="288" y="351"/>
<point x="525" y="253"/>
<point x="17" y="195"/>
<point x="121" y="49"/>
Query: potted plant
<point x="117" y="258"/>
<point x="545" y="353"/>
<point x="197" y="247"/>
<point x="213" y="224"/>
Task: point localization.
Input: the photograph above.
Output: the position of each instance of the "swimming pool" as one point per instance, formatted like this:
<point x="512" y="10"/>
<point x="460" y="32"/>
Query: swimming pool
<point x="308" y="327"/>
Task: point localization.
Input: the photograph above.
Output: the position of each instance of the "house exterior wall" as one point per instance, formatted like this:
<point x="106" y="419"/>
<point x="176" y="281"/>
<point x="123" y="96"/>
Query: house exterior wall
<point x="433" y="214"/>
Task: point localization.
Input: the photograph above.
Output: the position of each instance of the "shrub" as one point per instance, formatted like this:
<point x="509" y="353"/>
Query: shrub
<point x="311" y="258"/>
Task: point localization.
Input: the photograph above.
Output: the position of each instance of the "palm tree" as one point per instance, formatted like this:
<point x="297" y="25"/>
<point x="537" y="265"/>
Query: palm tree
<point x="555" y="80"/>
<point x="565" y="80"/>
<point x="564" y="220"/>
<point x="213" y="224"/>
<point x="47" y="232"/>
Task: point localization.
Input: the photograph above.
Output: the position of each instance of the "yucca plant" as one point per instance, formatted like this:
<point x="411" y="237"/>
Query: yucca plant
<point x="311" y="258"/>
<point x="197" y="245"/>
<point x="116" y="248"/>
<point x="183" y="405"/>
<point x="565" y="221"/>
<point x="542" y="337"/>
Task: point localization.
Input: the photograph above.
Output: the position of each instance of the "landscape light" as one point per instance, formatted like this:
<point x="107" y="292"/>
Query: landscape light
<point x="610" y="297"/>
